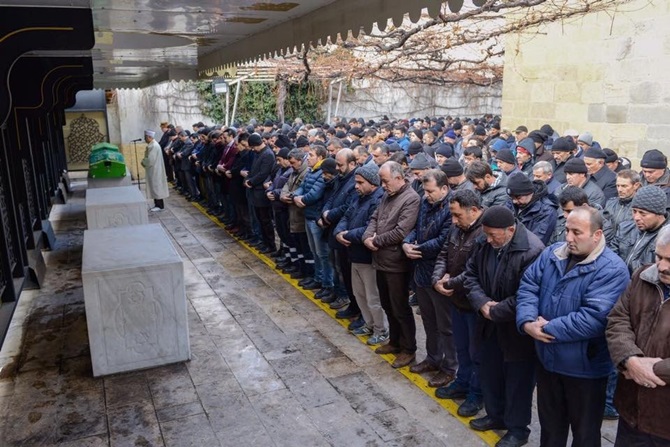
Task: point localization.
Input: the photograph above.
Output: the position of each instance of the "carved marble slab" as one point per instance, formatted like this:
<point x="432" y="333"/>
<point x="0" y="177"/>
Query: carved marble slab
<point x="110" y="182"/>
<point x="135" y="300"/>
<point x="115" y="207"/>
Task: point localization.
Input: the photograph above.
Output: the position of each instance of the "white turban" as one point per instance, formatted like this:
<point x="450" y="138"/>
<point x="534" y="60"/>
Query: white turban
<point x="149" y="133"/>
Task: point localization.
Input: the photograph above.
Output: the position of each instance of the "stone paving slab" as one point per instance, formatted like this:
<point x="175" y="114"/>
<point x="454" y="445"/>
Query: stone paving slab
<point x="269" y="366"/>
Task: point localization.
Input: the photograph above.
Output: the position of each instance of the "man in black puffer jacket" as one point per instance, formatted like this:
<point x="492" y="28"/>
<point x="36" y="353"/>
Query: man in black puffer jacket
<point x="534" y="207"/>
<point x="492" y="278"/>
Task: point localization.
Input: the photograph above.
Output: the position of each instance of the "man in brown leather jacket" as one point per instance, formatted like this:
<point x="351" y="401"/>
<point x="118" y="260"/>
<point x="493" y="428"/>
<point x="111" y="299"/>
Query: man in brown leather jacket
<point x="638" y="331"/>
<point x="391" y="222"/>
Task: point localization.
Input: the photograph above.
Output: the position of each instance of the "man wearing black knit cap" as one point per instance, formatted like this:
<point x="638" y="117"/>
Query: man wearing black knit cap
<point x="594" y="159"/>
<point x="655" y="171"/>
<point x="492" y="277"/>
<point x="456" y="176"/>
<point x="635" y="240"/>
<point x="533" y="205"/>
<point x="563" y="149"/>
<point x="577" y="175"/>
<point x="507" y="162"/>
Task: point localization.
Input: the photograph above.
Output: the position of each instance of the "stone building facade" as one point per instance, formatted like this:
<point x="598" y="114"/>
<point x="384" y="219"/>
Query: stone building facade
<point x="603" y="73"/>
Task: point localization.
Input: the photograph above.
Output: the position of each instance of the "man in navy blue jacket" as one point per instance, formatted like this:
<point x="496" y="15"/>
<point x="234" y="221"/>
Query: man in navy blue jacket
<point x="422" y="246"/>
<point x="349" y="232"/>
<point x="563" y="302"/>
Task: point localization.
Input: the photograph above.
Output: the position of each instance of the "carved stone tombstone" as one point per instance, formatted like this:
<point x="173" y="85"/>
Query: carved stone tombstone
<point x="135" y="300"/>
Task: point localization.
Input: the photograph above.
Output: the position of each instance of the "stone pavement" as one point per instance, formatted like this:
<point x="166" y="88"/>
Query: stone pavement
<point x="268" y="368"/>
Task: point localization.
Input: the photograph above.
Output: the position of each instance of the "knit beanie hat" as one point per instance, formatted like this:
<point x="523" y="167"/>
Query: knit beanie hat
<point x="417" y="132"/>
<point x="415" y="147"/>
<point x="370" y="172"/>
<point x="654" y="159"/>
<point x="498" y="144"/>
<point x="519" y="185"/>
<point x="452" y="168"/>
<point x="594" y="152"/>
<point x="255" y="140"/>
<point x="283" y="153"/>
<point x="394" y="147"/>
<point x="497" y="217"/>
<point x="420" y="161"/>
<point x="563" y="144"/>
<point x="302" y="141"/>
<point x="538" y="136"/>
<point x="575" y="166"/>
<point x="329" y="166"/>
<point x="506" y="155"/>
<point x="446" y="150"/>
<point x="610" y="155"/>
<point x="650" y="198"/>
<point x="586" y="137"/>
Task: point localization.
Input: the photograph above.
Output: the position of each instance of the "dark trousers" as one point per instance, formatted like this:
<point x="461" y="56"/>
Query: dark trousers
<point x="507" y="388"/>
<point x="168" y="167"/>
<point x="305" y="258"/>
<point x="242" y="217"/>
<point x="159" y="203"/>
<point x="264" y="216"/>
<point x="627" y="436"/>
<point x="344" y="267"/>
<point x="464" y="324"/>
<point x="436" y="317"/>
<point x="393" y="292"/>
<point x="565" y="403"/>
<point x="282" y="224"/>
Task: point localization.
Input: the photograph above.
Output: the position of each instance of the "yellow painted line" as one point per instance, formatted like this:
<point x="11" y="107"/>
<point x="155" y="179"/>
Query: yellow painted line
<point x="490" y="437"/>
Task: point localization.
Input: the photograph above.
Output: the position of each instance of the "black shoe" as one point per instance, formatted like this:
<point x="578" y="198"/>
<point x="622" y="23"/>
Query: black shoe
<point x="486" y="423"/>
<point x="256" y="243"/>
<point x="307" y="279"/>
<point x="509" y="440"/>
<point x="347" y="313"/>
<point x="282" y="264"/>
<point x="298" y="275"/>
<point x="265" y="249"/>
<point x="311" y="285"/>
<point x="451" y="391"/>
<point x="470" y="407"/>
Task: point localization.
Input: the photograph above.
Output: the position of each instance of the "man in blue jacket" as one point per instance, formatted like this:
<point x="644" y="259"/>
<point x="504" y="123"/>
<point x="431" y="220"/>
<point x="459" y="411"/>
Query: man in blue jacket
<point x="349" y="233"/>
<point x="310" y="197"/>
<point x="422" y="246"/>
<point x="563" y="302"/>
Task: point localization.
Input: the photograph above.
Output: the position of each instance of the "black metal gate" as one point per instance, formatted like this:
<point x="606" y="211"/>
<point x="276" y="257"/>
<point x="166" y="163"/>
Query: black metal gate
<point x="37" y="86"/>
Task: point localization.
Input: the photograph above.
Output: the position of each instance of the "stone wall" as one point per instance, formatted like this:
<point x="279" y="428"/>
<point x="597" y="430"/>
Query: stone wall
<point x="602" y="73"/>
<point x="373" y="99"/>
<point x="134" y="110"/>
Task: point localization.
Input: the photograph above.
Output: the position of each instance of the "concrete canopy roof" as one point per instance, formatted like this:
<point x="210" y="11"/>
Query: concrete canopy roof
<point x="142" y="42"/>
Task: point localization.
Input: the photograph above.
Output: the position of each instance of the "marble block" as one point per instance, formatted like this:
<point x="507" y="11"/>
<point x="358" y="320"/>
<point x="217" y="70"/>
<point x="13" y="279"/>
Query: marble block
<point x="134" y="298"/>
<point x="115" y="207"/>
<point x="110" y="182"/>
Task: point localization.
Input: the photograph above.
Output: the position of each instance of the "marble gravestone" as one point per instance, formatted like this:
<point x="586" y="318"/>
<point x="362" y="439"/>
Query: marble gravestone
<point x="134" y="298"/>
<point x="110" y="182"/>
<point x="115" y="207"/>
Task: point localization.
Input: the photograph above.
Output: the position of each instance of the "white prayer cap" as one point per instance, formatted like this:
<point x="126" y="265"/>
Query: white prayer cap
<point x="571" y="133"/>
<point x="149" y="133"/>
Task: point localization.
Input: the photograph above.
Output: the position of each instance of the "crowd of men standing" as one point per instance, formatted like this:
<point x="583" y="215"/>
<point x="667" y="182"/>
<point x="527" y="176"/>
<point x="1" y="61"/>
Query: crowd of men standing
<point x="535" y="259"/>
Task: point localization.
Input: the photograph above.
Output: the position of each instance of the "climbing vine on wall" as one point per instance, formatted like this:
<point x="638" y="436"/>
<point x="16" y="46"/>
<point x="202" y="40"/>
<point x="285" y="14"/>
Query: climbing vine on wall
<point x="259" y="100"/>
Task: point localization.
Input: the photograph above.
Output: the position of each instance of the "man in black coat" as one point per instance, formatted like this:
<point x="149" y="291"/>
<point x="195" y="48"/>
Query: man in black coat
<point x="492" y="277"/>
<point x="258" y="175"/>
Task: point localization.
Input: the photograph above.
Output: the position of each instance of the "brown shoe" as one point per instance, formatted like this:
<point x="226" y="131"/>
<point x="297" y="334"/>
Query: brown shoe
<point x="440" y="379"/>
<point x="403" y="359"/>
<point x="423" y="367"/>
<point x="387" y="349"/>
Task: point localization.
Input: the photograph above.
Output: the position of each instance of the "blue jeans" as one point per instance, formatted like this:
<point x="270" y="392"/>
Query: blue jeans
<point x="611" y="387"/>
<point x="323" y="269"/>
<point x="463" y="325"/>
